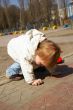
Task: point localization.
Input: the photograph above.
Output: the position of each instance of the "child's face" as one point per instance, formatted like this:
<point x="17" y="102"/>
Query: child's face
<point x="39" y="61"/>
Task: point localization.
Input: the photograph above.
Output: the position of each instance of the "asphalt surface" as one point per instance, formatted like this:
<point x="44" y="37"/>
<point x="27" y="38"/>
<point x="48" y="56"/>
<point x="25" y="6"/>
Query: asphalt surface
<point x="55" y="94"/>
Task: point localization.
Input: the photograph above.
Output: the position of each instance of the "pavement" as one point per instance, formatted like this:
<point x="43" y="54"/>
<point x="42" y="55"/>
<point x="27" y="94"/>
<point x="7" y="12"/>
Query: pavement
<point x="55" y="94"/>
<point x="59" y="36"/>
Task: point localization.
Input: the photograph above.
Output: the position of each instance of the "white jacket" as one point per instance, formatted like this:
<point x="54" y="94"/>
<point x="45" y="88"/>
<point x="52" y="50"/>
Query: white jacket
<point x="22" y="50"/>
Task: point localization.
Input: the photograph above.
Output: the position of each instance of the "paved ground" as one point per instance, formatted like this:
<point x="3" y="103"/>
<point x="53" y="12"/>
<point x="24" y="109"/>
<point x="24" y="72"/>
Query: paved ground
<point x="55" y="94"/>
<point x="58" y="36"/>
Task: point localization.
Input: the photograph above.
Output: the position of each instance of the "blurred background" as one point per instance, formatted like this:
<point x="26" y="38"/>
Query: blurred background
<point x="23" y="15"/>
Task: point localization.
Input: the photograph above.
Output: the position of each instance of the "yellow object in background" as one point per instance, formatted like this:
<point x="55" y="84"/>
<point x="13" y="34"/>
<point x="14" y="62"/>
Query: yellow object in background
<point x="45" y="28"/>
<point x="54" y="27"/>
<point x="16" y="32"/>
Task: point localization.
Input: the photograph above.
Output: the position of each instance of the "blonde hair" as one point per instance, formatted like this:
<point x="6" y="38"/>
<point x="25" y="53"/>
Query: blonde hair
<point x="49" y="52"/>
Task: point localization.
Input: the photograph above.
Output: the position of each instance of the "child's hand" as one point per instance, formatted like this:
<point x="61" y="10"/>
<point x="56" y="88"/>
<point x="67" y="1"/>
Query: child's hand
<point x="37" y="82"/>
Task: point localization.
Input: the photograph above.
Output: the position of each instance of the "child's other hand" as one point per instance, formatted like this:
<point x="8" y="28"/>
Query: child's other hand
<point x="37" y="82"/>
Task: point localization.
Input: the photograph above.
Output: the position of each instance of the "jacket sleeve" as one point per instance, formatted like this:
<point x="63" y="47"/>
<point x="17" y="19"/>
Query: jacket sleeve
<point x="27" y="70"/>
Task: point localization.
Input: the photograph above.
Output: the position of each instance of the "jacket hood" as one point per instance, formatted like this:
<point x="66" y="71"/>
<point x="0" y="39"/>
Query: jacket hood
<point x="34" y="37"/>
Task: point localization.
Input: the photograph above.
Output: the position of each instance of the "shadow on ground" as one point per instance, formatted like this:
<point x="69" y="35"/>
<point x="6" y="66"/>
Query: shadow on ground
<point x="63" y="70"/>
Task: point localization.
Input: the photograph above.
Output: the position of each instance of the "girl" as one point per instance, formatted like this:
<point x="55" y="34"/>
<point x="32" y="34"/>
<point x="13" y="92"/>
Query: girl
<point x="28" y="48"/>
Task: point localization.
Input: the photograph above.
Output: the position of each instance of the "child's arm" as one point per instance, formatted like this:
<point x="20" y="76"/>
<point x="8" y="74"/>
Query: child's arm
<point x="27" y="70"/>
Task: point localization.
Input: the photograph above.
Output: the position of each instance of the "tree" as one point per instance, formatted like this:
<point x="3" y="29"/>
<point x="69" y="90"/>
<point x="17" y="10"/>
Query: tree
<point x="6" y="5"/>
<point x="40" y="10"/>
<point x="34" y="10"/>
<point x="3" y="22"/>
<point x="46" y="8"/>
<point x="22" y="10"/>
<point x="14" y="16"/>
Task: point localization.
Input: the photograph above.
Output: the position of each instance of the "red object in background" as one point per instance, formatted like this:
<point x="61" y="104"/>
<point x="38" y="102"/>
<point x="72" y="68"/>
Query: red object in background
<point x="59" y="60"/>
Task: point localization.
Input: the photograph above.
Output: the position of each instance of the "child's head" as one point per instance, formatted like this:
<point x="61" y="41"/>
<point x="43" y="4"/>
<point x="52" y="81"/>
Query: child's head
<point x="47" y="54"/>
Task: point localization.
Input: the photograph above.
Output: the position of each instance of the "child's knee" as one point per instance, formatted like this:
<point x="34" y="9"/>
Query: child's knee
<point x="8" y="73"/>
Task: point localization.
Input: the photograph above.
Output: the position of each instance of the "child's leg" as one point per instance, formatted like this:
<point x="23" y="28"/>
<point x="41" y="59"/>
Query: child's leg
<point x="13" y="70"/>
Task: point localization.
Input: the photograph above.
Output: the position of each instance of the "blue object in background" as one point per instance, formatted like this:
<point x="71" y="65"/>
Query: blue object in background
<point x="70" y="10"/>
